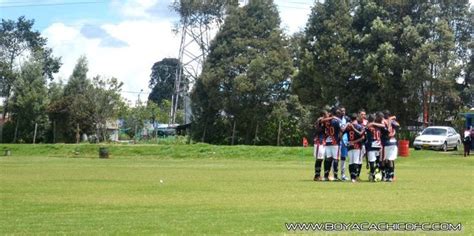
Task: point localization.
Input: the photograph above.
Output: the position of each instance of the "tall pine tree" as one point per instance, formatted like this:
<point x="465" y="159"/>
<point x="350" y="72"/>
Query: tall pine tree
<point x="245" y="77"/>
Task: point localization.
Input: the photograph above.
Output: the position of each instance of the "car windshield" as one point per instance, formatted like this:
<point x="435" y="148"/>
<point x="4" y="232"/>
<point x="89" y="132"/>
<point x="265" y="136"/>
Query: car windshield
<point x="434" y="131"/>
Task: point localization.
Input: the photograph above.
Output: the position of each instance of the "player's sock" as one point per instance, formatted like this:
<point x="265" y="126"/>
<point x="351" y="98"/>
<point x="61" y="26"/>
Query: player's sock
<point x="353" y="170"/>
<point x="317" y="167"/>
<point x="387" y="170"/>
<point x="343" y="168"/>
<point x="372" y="169"/>
<point x="382" y="169"/>
<point x="335" y="167"/>
<point x="393" y="169"/>
<point x="359" y="168"/>
<point x="327" y="167"/>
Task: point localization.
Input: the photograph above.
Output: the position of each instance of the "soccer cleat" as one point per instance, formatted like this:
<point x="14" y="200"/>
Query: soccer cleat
<point x="316" y="178"/>
<point x="343" y="178"/>
<point x="353" y="180"/>
<point x="390" y="180"/>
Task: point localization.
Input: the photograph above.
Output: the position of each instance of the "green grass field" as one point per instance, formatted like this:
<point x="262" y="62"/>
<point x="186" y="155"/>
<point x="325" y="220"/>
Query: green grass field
<point x="66" y="189"/>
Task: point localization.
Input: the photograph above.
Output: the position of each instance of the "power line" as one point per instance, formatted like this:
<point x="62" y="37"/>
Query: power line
<point x="135" y="92"/>
<point x="50" y="4"/>
<point x="294" y="7"/>
<point x="301" y="3"/>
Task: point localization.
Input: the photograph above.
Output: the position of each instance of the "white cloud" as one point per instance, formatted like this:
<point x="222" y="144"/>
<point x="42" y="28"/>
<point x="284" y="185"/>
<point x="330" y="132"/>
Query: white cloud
<point x="148" y="42"/>
<point x="147" y="37"/>
<point x="143" y="8"/>
<point x="294" y="20"/>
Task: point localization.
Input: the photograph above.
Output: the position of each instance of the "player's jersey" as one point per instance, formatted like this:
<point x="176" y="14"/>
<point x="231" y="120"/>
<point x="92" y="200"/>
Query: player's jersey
<point x="388" y="133"/>
<point x="319" y="137"/>
<point x="332" y="131"/>
<point x="373" y="138"/>
<point x="353" y="135"/>
<point x="344" y="139"/>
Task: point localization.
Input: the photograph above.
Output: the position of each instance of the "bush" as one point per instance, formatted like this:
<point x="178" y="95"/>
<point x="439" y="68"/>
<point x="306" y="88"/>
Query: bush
<point x="124" y="136"/>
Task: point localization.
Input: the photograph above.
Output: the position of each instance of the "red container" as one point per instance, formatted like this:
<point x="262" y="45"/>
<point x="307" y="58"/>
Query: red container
<point x="404" y="148"/>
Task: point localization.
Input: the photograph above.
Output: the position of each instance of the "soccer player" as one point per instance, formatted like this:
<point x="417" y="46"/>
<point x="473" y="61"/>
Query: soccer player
<point x="319" y="143"/>
<point x="355" y="135"/>
<point x="363" y="118"/>
<point x="333" y="140"/>
<point x="389" y="144"/>
<point x="344" y="142"/>
<point x="466" y="141"/>
<point x="373" y="145"/>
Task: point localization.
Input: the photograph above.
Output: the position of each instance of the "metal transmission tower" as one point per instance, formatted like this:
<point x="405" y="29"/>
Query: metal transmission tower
<point x="193" y="50"/>
<point x="199" y="21"/>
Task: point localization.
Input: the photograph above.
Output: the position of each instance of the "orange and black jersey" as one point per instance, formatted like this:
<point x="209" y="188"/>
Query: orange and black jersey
<point x="319" y="137"/>
<point x="353" y="135"/>
<point x="332" y="131"/>
<point x="388" y="133"/>
<point x="373" y="140"/>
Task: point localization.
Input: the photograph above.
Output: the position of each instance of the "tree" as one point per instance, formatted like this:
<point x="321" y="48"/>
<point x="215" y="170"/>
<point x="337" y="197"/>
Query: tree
<point x="247" y="72"/>
<point x="162" y="80"/>
<point x="104" y="97"/>
<point x="327" y="62"/>
<point x="405" y="56"/>
<point x="77" y="103"/>
<point x="29" y="103"/>
<point x="56" y="116"/>
<point x="134" y="119"/>
<point x="18" y="39"/>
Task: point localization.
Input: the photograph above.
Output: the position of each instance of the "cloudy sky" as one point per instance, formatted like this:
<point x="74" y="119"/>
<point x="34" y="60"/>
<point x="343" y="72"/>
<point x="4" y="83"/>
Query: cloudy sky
<point x="120" y="38"/>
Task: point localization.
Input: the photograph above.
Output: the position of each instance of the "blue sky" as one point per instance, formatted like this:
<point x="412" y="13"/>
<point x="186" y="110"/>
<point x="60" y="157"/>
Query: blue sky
<point x="45" y="12"/>
<point x="120" y="38"/>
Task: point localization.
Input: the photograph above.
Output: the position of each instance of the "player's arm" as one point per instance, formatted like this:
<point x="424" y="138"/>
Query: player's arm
<point x="359" y="132"/>
<point x="382" y="126"/>
<point x="329" y="118"/>
<point x="356" y="141"/>
<point x="395" y="124"/>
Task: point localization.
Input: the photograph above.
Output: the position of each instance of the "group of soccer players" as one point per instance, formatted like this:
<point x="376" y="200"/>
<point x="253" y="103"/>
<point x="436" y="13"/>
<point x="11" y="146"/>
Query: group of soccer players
<point x="338" y="137"/>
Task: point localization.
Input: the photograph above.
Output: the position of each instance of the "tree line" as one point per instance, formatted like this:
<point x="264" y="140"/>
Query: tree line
<point x="38" y="108"/>
<point x="259" y="86"/>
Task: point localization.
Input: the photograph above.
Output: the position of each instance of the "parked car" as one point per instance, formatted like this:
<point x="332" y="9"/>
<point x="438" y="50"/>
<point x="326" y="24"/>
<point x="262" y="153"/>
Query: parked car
<point x="438" y="138"/>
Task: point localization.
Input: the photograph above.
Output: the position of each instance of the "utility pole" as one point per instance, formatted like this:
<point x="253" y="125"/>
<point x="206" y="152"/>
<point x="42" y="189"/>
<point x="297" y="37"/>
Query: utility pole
<point x="34" y="135"/>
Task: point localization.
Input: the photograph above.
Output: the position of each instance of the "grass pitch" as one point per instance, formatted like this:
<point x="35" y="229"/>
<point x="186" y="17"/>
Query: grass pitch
<point x="194" y="189"/>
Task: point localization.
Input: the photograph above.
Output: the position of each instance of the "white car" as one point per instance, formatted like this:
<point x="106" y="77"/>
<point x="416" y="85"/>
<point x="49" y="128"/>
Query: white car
<point x="438" y="137"/>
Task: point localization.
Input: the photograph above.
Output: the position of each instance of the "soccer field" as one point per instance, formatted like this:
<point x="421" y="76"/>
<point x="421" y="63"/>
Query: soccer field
<point x="191" y="189"/>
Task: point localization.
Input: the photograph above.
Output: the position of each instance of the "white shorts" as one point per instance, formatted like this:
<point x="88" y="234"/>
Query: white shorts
<point x="332" y="151"/>
<point x="372" y="155"/>
<point x="355" y="156"/>
<point x="319" y="151"/>
<point x="390" y="152"/>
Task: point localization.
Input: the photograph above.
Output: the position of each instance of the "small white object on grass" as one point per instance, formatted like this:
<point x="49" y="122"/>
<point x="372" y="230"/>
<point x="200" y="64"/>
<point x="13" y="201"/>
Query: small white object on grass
<point x="161" y="181"/>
